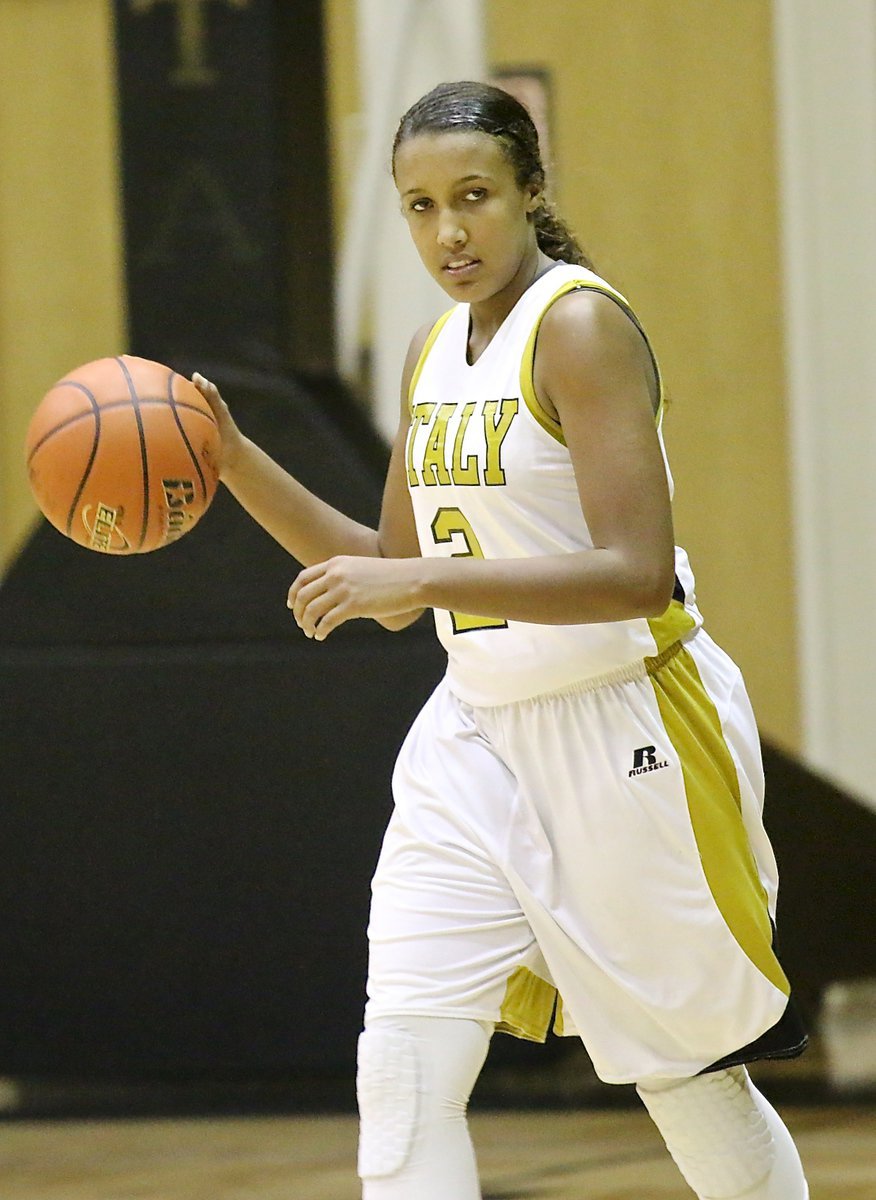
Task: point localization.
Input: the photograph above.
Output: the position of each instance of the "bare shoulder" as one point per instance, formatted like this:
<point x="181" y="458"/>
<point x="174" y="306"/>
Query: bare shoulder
<point x="588" y="335"/>
<point x="589" y="320"/>
<point x="418" y="341"/>
<point x="415" y="349"/>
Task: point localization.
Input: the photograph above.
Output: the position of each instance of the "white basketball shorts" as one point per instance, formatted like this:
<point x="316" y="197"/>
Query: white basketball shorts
<point x="593" y="859"/>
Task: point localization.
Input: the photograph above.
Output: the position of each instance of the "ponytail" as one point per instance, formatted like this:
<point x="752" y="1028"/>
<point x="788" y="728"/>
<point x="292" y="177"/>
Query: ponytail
<point x="555" y="238"/>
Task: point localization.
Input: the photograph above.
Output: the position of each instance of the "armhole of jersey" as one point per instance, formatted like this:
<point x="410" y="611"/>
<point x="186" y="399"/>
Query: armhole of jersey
<point x="527" y="384"/>
<point x="424" y="353"/>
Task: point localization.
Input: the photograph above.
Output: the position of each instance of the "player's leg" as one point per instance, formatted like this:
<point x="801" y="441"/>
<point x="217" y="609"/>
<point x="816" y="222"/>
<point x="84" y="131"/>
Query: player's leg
<point x="451" y="956"/>
<point x="414" y="1081"/>
<point x="725" y="1138"/>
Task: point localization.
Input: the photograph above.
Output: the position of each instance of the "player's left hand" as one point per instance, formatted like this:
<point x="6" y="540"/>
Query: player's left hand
<point x="326" y="595"/>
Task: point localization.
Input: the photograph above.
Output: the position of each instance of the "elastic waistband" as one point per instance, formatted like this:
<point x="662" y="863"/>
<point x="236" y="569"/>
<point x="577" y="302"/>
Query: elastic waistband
<point x="642" y="668"/>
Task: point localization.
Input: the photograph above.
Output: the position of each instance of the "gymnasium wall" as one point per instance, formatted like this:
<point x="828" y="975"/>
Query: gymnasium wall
<point x="663" y="131"/>
<point x="61" y="290"/>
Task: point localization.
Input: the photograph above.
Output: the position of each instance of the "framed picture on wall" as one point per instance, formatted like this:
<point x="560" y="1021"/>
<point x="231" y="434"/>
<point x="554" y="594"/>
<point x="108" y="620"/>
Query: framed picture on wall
<point x="531" y="86"/>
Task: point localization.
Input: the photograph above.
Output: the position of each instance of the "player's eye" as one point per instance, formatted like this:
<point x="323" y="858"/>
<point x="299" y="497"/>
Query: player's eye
<point x="419" y="205"/>
<point x="476" y="193"/>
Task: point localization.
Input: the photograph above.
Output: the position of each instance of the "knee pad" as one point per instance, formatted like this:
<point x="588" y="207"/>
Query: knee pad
<point x="725" y="1139"/>
<point x="414" y="1080"/>
<point x="786" y="1180"/>
<point x="386" y="1087"/>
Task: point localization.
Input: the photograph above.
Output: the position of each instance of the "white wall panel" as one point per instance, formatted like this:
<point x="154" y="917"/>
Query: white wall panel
<point x="405" y="48"/>
<point x="826" y="91"/>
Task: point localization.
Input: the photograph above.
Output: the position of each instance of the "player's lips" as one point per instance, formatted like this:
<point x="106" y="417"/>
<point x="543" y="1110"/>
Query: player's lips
<point x="460" y="266"/>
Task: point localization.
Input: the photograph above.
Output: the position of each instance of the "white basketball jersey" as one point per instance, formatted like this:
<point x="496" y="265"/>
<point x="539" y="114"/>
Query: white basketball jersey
<point x="490" y="477"/>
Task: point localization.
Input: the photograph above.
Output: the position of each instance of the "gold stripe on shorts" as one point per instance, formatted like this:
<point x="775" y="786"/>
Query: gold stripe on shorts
<point x="715" y="806"/>
<point x="671" y="625"/>
<point x="528" y="1006"/>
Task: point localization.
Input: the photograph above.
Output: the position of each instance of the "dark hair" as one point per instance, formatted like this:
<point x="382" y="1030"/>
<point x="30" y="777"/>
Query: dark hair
<point x="486" y="109"/>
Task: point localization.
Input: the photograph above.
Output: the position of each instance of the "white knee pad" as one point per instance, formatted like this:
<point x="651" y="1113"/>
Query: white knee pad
<point x="786" y="1178"/>
<point x="414" y="1080"/>
<point x="386" y="1089"/>
<point x="728" y="1143"/>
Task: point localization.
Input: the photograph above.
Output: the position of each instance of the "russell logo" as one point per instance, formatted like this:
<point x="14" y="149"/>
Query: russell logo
<point x="645" y="759"/>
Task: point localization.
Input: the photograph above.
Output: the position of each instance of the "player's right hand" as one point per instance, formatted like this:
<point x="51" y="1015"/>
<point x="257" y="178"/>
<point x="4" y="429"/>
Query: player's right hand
<point x="232" y="438"/>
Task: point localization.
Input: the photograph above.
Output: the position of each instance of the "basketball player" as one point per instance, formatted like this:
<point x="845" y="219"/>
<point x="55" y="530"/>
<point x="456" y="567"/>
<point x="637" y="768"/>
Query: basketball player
<point x="577" y="836"/>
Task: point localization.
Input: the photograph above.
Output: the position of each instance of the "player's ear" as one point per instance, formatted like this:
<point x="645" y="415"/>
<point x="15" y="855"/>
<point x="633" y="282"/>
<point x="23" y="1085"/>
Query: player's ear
<point x="534" y="192"/>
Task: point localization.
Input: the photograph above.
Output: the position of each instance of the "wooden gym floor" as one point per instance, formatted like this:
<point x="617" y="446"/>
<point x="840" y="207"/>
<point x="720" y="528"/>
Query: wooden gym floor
<point x="540" y="1134"/>
<point x="582" y="1155"/>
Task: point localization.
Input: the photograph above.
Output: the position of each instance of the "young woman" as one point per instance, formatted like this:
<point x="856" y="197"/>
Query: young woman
<point x="577" y="836"/>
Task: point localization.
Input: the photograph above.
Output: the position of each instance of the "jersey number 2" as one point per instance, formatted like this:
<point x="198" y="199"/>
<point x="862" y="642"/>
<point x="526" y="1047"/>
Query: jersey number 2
<point x="447" y="524"/>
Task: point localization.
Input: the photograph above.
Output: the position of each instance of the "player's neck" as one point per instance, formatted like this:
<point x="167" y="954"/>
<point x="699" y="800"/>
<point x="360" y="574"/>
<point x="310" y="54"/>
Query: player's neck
<point x="487" y="316"/>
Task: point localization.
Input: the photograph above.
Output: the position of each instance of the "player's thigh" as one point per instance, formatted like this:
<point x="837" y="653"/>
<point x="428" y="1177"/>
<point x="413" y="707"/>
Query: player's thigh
<point x="447" y="934"/>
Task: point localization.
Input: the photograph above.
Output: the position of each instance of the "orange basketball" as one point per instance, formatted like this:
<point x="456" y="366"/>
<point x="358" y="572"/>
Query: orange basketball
<point x="122" y="455"/>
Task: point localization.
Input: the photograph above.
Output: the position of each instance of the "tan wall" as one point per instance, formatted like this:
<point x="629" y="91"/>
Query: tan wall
<point x="60" y="264"/>
<point x="342" y="100"/>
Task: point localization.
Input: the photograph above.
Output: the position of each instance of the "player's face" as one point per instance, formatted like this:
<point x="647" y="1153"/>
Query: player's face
<point x="469" y="218"/>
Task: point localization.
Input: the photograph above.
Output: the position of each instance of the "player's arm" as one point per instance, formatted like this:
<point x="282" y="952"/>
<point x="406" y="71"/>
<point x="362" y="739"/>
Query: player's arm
<point x="594" y="370"/>
<point x="397" y="533"/>
<point x="308" y="528"/>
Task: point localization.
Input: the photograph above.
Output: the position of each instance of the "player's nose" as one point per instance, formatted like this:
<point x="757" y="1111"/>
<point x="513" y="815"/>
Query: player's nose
<point x="451" y="234"/>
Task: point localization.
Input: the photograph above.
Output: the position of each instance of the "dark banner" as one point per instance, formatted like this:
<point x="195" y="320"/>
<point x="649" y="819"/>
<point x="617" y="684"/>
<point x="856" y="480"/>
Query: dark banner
<point x="206" y="92"/>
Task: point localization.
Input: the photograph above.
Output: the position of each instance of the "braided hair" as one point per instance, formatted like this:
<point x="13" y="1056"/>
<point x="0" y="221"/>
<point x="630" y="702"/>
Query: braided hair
<point x="486" y="109"/>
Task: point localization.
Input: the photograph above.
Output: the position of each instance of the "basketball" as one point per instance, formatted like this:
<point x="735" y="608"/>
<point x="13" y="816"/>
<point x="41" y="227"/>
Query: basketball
<point x="122" y="455"/>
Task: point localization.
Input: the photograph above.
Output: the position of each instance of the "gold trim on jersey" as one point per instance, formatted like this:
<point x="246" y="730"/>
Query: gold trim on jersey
<point x="424" y="353"/>
<point x="715" y="806"/>
<point x="546" y="420"/>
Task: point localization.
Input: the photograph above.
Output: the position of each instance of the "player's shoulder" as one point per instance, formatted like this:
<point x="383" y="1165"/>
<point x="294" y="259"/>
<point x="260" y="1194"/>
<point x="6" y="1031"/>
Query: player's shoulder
<point x="417" y="349"/>
<point x="584" y="317"/>
<point x="419" y="339"/>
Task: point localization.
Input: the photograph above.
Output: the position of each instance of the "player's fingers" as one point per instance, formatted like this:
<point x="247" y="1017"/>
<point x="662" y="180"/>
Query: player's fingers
<point x="232" y="439"/>
<point x="316" y="612"/>
<point x="311" y="602"/>
<point x="332" y="619"/>
<point x="302" y="580"/>
<point x="218" y="407"/>
<point x="208" y="390"/>
<point x="305" y="579"/>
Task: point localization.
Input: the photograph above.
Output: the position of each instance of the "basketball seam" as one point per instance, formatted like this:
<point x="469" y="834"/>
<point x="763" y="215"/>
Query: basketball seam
<point x="107" y="408"/>
<point x="144" y="458"/>
<point x="171" y="399"/>
<point x="95" y="412"/>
